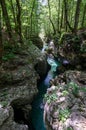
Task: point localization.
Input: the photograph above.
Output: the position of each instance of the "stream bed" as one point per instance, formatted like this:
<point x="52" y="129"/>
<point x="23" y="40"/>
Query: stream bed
<point x="37" y="105"/>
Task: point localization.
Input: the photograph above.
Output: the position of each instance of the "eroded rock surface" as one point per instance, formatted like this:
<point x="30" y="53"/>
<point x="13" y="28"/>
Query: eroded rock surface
<point x="18" y="86"/>
<point x="65" y="107"/>
<point x="73" y="49"/>
<point x="6" y="120"/>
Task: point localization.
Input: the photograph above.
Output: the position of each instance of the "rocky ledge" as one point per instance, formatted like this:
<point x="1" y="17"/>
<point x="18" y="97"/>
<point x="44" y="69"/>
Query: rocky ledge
<point x="18" y="86"/>
<point x="65" y="102"/>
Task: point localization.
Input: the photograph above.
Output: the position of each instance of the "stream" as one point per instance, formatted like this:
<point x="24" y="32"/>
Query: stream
<point x="37" y="105"/>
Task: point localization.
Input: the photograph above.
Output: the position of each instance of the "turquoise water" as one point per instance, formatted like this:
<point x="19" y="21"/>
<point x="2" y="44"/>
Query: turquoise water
<point x="37" y="105"/>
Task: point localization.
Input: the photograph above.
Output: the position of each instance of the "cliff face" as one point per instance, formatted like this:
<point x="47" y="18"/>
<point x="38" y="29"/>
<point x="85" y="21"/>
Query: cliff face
<point x="18" y="86"/>
<point x="65" y="107"/>
<point x="65" y="101"/>
<point x="6" y="120"/>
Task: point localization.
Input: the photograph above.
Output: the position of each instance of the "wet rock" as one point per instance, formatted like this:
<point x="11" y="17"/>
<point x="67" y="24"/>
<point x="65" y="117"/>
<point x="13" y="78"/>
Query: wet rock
<point x="67" y="109"/>
<point x="37" y="41"/>
<point x="73" y="49"/>
<point x="6" y="120"/>
<point x="42" y="67"/>
<point x="18" y="87"/>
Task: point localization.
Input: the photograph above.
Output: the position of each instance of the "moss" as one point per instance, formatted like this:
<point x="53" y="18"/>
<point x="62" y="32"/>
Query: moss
<point x="4" y="103"/>
<point x="7" y="77"/>
<point x="69" y="128"/>
<point x="8" y="56"/>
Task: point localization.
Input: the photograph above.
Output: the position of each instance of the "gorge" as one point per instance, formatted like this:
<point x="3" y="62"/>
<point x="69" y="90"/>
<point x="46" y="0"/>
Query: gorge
<point x="37" y="105"/>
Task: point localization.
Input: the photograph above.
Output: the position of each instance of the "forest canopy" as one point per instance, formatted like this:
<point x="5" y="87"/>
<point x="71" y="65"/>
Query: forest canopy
<point x="22" y="19"/>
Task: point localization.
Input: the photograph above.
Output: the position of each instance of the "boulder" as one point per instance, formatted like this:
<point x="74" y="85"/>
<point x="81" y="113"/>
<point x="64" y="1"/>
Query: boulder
<point x="37" y="41"/>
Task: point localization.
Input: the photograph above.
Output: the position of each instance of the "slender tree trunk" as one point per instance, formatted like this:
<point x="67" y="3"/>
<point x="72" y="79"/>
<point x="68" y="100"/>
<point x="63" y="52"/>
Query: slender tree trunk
<point x="83" y="17"/>
<point x="6" y="18"/>
<point x="58" y="16"/>
<point x="36" y="18"/>
<point x="77" y="15"/>
<point x="71" y="13"/>
<point x="67" y="24"/>
<point x="66" y="13"/>
<point x="1" y="46"/>
<point x="14" y="16"/>
<point x="61" y="23"/>
<point x="19" y="20"/>
<point x="54" y="30"/>
<point x="31" y="16"/>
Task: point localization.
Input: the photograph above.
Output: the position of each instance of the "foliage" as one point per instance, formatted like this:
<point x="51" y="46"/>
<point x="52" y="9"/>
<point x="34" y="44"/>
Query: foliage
<point x="75" y="88"/>
<point x="4" y="103"/>
<point x="63" y="114"/>
<point x="62" y="37"/>
<point x="69" y="128"/>
<point x="35" y="15"/>
<point x="65" y="93"/>
<point x="58" y="15"/>
<point x="8" y="56"/>
<point x="83" y="47"/>
<point x="50" y="98"/>
<point x="22" y="19"/>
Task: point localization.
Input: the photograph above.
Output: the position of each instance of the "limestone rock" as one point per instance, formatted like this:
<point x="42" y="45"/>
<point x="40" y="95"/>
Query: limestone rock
<point x="73" y="49"/>
<point x="18" y="87"/>
<point x="6" y="120"/>
<point x="37" y="41"/>
<point x="65" y="107"/>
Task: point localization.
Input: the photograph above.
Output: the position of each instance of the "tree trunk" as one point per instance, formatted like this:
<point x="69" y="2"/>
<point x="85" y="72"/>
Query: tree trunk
<point x="6" y="18"/>
<point x="67" y="24"/>
<point x="61" y="23"/>
<point x="14" y="17"/>
<point x="66" y="13"/>
<point x="83" y="17"/>
<point x="31" y="16"/>
<point x="58" y="16"/>
<point x="54" y="30"/>
<point x="19" y="20"/>
<point x="77" y="15"/>
<point x="1" y="46"/>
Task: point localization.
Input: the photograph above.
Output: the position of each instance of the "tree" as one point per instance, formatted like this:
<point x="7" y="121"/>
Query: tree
<point x="83" y="16"/>
<point x="67" y="24"/>
<point x="19" y="20"/>
<point x="77" y="13"/>
<point x="58" y="16"/>
<point x="13" y="13"/>
<point x="1" y="46"/>
<point x="54" y="30"/>
<point x="31" y="15"/>
<point x="6" y="18"/>
<point x="61" y="21"/>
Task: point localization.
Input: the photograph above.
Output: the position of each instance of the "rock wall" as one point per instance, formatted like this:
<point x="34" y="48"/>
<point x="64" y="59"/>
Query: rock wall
<point x="6" y="120"/>
<point x="18" y="87"/>
<point x="65" y="107"/>
<point x="73" y="49"/>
